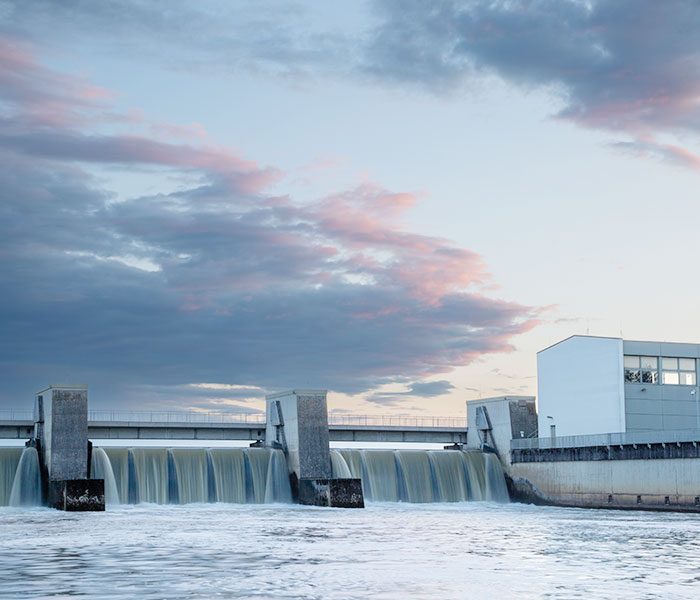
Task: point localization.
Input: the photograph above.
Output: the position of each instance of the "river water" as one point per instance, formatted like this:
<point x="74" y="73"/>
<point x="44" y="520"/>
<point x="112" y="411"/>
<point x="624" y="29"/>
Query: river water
<point x="386" y="551"/>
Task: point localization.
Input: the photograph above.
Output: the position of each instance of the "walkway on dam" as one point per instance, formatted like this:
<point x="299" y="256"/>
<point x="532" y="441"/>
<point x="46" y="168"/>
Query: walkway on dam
<point x="194" y="425"/>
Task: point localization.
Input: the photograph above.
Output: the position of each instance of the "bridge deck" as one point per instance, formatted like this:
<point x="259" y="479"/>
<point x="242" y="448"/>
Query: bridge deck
<point x="148" y="430"/>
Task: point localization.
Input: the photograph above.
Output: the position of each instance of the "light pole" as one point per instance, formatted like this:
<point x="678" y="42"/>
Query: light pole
<point x="552" y="430"/>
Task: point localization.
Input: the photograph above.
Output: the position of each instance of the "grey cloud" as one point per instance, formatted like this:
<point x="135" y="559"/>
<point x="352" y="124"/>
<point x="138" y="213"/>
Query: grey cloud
<point x="418" y="389"/>
<point x="626" y="66"/>
<point x="241" y="287"/>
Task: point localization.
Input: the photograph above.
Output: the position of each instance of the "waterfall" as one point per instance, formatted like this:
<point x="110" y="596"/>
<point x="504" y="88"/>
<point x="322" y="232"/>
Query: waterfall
<point x="185" y="475"/>
<point x="192" y="474"/>
<point x="229" y="474"/>
<point x="423" y="475"/>
<point x="259" y="475"/>
<point x="148" y="475"/>
<point x="495" y="481"/>
<point x="119" y="460"/>
<point x="9" y="459"/>
<point x="101" y="468"/>
<point x="26" y="487"/>
<point x="277" y="488"/>
<point x="339" y="467"/>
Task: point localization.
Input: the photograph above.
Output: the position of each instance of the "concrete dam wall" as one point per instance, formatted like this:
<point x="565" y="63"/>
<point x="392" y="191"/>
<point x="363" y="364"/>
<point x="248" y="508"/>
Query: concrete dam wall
<point x="260" y="475"/>
<point x="630" y="471"/>
<point x="665" y="484"/>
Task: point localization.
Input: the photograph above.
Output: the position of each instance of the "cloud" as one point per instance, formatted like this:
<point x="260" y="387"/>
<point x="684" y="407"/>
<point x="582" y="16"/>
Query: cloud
<point x="217" y="281"/>
<point x="418" y="389"/>
<point x="628" y="67"/>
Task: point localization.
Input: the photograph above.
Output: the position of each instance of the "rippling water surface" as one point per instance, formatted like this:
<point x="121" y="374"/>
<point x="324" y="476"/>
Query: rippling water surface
<point x="442" y="551"/>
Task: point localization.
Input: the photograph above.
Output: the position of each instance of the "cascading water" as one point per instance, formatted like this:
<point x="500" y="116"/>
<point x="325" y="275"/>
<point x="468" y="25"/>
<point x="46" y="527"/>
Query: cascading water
<point x="423" y="476"/>
<point x="185" y="475"/>
<point x="259" y="475"/>
<point x="9" y="459"/>
<point x="101" y="468"/>
<point x="26" y="487"/>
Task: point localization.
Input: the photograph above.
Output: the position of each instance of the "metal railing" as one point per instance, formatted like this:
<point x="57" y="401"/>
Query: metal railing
<point x="171" y="416"/>
<point x="16" y="414"/>
<point x="226" y="417"/>
<point x="607" y="439"/>
<point x="397" y="421"/>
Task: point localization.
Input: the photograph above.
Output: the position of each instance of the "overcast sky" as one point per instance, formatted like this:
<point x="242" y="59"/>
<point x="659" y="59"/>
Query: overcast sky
<point x="399" y="201"/>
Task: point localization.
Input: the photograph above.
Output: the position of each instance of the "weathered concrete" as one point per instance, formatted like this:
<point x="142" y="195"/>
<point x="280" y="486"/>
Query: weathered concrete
<point x="62" y="427"/>
<point x="661" y="484"/>
<point x="297" y="423"/>
<point x="61" y="438"/>
<point x="77" y="494"/>
<point x="509" y="417"/>
<point x="339" y="493"/>
<point x="658" y="476"/>
<point x="650" y="451"/>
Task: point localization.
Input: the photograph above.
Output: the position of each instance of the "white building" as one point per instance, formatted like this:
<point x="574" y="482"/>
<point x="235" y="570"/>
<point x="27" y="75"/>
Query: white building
<point x="591" y="385"/>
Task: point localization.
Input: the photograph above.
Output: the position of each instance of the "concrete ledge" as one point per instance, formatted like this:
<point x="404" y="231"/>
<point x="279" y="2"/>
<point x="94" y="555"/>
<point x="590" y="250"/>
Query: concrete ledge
<point x="650" y="451"/>
<point x="340" y="493"/>
<point x="77" y="494"/>
<point x="524" y="491"/>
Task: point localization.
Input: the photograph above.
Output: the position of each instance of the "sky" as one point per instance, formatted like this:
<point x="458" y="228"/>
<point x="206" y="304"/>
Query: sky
<point x="398" y="201"/>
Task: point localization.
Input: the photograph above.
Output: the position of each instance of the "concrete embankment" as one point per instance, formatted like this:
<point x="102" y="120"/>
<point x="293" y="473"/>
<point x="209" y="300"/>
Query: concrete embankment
<point x="652" y="484"/>
<point x="618" y="472"/>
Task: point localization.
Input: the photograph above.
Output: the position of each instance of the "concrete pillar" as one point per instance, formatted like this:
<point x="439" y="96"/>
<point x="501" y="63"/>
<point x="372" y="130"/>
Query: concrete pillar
<point x="61" y="436"/>
<point x="297" y="423"/>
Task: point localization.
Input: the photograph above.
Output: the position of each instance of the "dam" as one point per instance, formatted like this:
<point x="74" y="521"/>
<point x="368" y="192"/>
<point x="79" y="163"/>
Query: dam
<point x="259" y="475"/>
<point x="290" y="460"/>
<point x="623" y="432"/>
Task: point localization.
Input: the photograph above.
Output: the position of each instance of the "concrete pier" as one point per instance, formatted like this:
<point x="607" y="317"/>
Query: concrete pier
<point x="61" y="438"/>
<point x="297" y="423"/>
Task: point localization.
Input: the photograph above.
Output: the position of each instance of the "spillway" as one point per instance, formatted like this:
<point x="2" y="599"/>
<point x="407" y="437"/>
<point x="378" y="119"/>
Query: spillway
<point x="259" y="475"/>
<point x="26" y="484"/>
<point x="423" y="476"/>
<point x="9" y="459"/>
<point x="186" y="475"/>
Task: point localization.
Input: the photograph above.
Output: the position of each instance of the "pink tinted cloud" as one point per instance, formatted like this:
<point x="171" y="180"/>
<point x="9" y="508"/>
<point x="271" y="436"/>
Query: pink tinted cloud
<point x="43" y="96"/>
<point x="366" y="224"/>
<point x="50" y="114"/>
<point x="239" y="244"/>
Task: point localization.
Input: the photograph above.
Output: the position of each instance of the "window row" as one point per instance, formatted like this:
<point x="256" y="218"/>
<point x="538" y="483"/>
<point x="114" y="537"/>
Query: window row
<point x="674" y="371"/>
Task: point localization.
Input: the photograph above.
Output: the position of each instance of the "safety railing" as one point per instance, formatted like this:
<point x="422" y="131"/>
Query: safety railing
<point x="252" y="418"/>
<point x="192" y="416"/>
<point x="419" y="421"/>
<point x="16" y="414"/>
<point x="607" y="439"/>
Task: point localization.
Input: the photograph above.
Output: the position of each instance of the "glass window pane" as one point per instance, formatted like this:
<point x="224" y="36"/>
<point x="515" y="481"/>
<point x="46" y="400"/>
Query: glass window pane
<point x="632" y="362"/>
<point x="649" y="362"/>
<point x="669" y="363"/>
<point x="670" y="377"/>
<point x="686" y="364"/>
<point x="650" y="376"/>
<point x="688" y="378"/>
<point x="631" y="376"/>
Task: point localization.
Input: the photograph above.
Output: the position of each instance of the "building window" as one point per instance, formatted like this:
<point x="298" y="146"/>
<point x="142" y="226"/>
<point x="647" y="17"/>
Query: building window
<point x="678" y="371"/>
<point x="632" y="370"/>
<point x="641" y="369"/>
